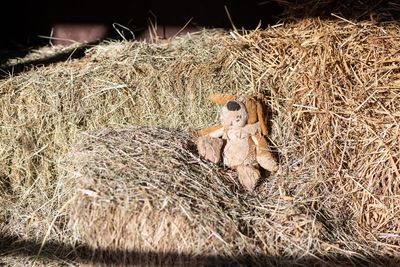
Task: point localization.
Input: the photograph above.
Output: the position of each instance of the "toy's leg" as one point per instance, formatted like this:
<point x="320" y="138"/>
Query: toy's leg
<point x="210" y="148"/>
<point x="263" y="155"/>
<point x="248" y="176"/>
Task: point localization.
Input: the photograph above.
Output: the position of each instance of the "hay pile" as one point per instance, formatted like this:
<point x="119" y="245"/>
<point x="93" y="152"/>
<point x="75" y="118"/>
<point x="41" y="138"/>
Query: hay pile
<point x="334" y="95"/>
<point x="141" y="189"/>
<point x="332" y="88"/>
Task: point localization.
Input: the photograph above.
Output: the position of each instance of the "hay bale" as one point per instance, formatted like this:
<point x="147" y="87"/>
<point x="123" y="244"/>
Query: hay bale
<point x="334" y="100"/>
<point x="116" y="84"/>
<point x="143" y="190"/>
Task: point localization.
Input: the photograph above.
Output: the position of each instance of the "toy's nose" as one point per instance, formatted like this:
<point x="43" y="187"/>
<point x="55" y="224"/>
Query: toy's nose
<point x="233" y="106"/>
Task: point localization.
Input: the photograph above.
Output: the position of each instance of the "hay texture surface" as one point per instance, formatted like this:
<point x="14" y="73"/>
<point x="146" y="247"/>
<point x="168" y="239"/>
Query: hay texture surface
<point x="144" y="190"/>
<point x="332" y="88"/>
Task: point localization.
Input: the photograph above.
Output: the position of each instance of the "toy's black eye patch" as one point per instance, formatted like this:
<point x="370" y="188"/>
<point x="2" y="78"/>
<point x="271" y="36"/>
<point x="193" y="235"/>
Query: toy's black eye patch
<point x="233" y="106"/>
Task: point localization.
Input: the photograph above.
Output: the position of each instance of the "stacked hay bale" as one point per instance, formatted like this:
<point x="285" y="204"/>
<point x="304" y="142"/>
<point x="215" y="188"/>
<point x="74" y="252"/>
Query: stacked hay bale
<point x="332" y="90"/>
<point x="116" y="84"/>
<point x="334" y="96"/>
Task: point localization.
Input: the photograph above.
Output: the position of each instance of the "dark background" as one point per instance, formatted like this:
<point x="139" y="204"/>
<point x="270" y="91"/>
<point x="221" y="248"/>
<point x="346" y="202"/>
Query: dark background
<point x="22" y="22"/>
<point x="25" y="24"/>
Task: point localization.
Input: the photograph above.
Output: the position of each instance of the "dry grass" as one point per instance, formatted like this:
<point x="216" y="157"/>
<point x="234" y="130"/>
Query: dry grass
<point x="334" y="94"/>
<point x="143" y="189"/>
<point x="332" y="88"/>
<point x="354" y="10"/>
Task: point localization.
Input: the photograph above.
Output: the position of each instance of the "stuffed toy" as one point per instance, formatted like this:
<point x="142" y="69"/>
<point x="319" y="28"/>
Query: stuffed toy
<point x="240" y="138"/>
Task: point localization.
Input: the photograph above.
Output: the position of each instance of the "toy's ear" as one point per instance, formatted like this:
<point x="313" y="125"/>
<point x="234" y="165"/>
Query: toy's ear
<point x="221" y="99"/>
<point x="261" y="119"/>
<point x="251" y="108"/>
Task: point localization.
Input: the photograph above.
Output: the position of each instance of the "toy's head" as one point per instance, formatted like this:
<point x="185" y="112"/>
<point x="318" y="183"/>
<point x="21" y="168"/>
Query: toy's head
<point x="234" y="114"/>
<point x="239" y="113"/>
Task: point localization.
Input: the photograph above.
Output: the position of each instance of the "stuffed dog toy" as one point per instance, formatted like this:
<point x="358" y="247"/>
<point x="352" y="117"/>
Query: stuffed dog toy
<point x="242" y="127"/>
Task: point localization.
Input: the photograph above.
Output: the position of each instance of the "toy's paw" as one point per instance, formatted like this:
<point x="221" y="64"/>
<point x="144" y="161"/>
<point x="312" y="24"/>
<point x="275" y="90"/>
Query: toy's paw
<point x="250" y="129"/>
<point x="248" y="176"/>
<point x="210" y="148"/>
<point x="267" y="161"/>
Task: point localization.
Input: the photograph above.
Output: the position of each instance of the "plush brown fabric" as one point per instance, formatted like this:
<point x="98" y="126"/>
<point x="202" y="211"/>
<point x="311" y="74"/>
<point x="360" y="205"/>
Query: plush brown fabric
<point x="244" y="129"/>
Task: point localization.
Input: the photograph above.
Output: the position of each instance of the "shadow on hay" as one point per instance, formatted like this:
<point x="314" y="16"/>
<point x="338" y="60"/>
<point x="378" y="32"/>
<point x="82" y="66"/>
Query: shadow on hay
<point x="71" y="53"/>
<point x="13" y="246"/>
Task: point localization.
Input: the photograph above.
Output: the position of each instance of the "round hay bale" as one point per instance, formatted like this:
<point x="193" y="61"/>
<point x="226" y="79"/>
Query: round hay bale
<point x="142" y="190"/>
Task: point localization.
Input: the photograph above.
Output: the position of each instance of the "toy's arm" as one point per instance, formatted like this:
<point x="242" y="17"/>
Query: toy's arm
<point x="214" y="131"/>
<point x="250" y="130"/>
